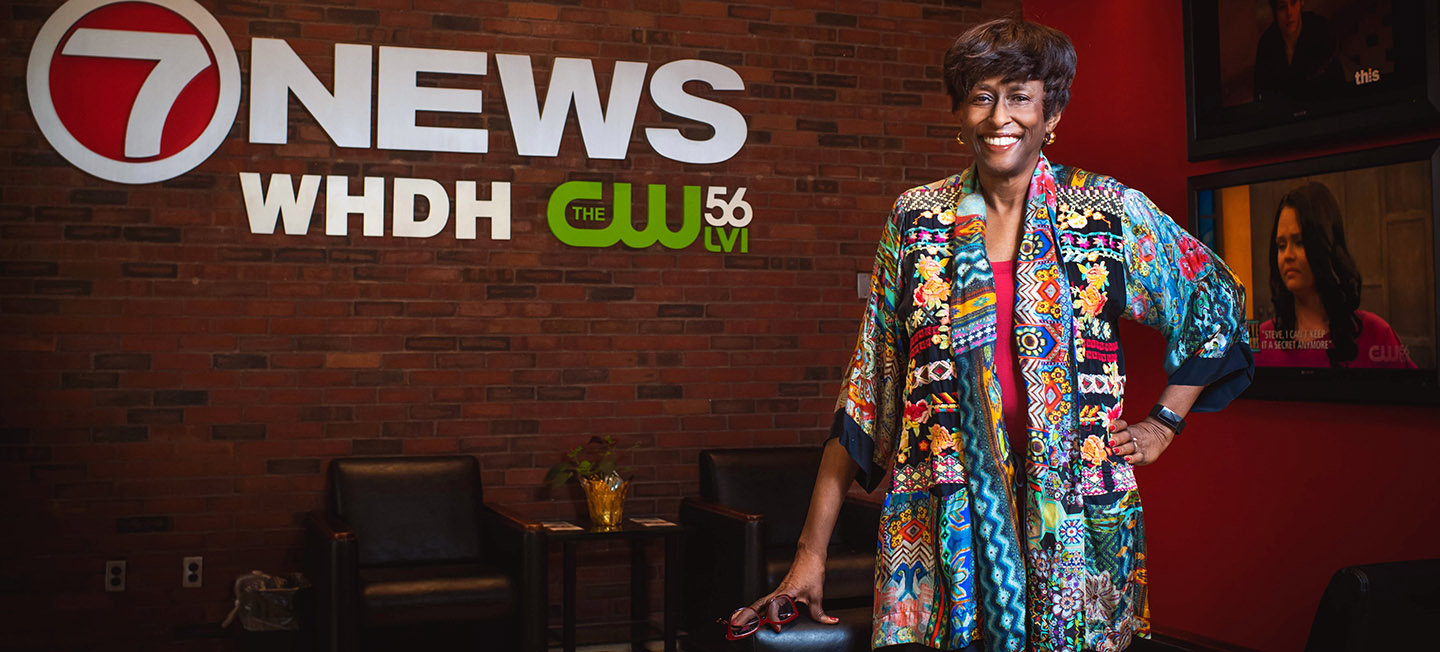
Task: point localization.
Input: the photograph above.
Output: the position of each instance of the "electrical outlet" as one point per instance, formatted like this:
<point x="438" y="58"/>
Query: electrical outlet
<point x="193" y="572"/>
<point x="115" y="575"/>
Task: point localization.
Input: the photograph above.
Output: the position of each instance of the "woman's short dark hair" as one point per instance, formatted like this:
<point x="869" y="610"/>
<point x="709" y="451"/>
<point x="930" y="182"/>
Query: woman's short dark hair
<point x="1011" y="49"/>
<point x="1337" y="279"/>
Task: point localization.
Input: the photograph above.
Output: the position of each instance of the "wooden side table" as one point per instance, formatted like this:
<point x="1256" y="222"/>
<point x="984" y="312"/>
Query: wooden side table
<point x="637" y="534"/>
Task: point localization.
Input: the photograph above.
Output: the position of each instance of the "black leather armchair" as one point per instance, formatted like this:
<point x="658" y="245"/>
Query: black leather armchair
<point x="406" y="546"/>
<point x="742" y="530"/>
<point x="1387" y="606"/>
<point x="1390" y="606"/>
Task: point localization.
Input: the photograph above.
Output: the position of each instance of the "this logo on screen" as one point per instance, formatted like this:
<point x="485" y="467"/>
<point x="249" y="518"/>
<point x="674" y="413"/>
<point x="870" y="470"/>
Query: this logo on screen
<point x="133" y="91"/>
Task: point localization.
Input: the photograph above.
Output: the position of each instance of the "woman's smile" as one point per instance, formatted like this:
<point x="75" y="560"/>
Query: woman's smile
<point x="1001" y="142"/>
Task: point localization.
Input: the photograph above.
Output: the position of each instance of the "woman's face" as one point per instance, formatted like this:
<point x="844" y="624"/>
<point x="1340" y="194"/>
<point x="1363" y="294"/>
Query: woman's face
<point x="1004" y="124"/>
<point x="1290" y="253"/>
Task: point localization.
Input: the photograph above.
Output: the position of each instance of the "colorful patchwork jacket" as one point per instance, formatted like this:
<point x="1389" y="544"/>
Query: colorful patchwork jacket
<point x="1054" y="559"/>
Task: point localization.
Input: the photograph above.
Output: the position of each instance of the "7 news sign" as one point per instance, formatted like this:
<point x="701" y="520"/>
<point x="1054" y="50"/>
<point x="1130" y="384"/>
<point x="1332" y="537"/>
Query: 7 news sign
<point x="140" y="91"/>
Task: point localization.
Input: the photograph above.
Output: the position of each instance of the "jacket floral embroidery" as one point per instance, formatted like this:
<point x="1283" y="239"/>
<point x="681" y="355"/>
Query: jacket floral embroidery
<point x="1048" y="555"/>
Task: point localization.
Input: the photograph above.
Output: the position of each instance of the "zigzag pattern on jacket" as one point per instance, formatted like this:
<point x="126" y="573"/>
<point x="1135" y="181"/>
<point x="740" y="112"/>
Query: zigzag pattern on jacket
<point x="993" y="532"/>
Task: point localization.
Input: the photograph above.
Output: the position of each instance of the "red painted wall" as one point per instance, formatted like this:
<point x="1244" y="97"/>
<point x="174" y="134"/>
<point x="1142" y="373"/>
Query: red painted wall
<point x="1253" y="508"/>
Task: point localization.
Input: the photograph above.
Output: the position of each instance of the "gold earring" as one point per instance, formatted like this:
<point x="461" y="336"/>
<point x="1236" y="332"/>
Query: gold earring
<point x="960" y="137"/>
<point x="1050" y="138"/>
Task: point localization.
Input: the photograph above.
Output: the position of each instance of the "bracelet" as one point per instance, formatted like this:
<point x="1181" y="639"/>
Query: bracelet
<point x="1165" y="415"/>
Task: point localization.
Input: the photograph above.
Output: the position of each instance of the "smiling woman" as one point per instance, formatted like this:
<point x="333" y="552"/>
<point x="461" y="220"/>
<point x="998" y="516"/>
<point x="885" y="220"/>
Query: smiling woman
<point x="988" y="381"/>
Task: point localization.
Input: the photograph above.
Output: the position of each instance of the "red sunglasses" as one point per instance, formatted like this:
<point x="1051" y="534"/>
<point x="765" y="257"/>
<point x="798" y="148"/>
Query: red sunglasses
<point x="746" y="621"/>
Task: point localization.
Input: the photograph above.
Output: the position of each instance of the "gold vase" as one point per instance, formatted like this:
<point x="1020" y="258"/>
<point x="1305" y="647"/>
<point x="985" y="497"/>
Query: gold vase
<point x="606" y="497"/>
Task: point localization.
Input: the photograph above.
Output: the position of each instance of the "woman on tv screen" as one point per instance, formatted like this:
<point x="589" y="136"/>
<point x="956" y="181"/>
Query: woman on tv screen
<point x="1315" y="289"/>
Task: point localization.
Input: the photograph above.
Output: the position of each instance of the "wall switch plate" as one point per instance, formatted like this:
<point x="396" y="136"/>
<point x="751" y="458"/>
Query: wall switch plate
<point x="115" y="575"/>
<point x="193" y="572"/>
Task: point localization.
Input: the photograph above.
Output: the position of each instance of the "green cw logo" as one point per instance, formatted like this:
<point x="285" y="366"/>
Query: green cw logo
<point x="572" y="207"/>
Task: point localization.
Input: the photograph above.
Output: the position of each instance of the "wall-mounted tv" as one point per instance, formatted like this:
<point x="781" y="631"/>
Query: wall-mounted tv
<point x="1337" y="255"/>
<point x="1262" y="74"/>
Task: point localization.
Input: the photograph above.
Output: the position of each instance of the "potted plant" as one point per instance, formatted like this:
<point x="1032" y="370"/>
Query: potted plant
<point x="596" y="466"/>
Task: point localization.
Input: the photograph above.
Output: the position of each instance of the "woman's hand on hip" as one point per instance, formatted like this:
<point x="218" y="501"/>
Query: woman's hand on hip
<point x="1140" y="443"/>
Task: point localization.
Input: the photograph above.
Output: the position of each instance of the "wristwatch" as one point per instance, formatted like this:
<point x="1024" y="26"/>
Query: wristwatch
<point x="1168" y="417"/>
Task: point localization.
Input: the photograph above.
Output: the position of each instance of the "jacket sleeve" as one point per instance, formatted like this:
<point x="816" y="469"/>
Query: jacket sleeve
<point x="1174" y="284"/>
<point x="867" y="412"/>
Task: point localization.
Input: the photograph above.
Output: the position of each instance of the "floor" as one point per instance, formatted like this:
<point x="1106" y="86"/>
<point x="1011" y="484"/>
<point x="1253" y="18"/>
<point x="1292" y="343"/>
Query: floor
<point x="652" y="646"/>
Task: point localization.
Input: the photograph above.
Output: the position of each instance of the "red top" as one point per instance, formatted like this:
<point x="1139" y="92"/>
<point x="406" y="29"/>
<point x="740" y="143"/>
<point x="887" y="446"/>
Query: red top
<point x="1007" y="365"/>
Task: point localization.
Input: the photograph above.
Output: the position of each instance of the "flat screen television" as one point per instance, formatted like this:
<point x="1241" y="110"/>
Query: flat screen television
<point x="1264" y="74"/>
<point x="1337" y="255"/>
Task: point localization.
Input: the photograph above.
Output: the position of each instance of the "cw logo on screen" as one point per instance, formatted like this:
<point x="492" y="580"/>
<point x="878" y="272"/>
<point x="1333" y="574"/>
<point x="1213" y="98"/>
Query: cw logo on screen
<point x="89" y="58"/>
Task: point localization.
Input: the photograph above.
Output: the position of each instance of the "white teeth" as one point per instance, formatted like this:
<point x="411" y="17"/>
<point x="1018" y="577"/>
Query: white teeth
<point x="1001" y="141"/>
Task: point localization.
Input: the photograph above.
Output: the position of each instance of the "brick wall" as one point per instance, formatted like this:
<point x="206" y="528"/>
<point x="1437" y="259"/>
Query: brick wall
<point x="175" y="385"/>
